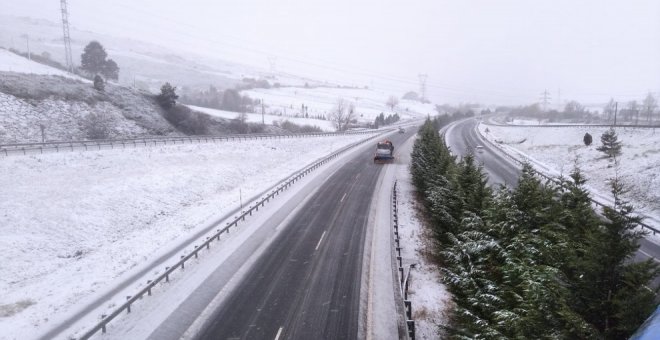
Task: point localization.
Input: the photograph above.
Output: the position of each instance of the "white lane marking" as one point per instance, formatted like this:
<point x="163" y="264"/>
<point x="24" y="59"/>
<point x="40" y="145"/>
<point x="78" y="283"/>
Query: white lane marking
<point x="649" y="255"/>
<point x="318" y="244"/>
<point x="279" y="332"/>
<point x="342" y="198"/>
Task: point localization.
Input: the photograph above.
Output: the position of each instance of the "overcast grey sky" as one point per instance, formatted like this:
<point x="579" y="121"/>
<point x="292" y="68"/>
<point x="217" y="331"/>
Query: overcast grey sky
<point x="497" y="51"/>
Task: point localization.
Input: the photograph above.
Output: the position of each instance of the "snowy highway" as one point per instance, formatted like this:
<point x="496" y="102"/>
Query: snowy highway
<point x="462" y="138"/>
<point x="307" y="283"/>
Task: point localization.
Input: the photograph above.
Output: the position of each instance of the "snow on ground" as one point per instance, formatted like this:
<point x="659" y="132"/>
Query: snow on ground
<point x="12" y="62"/>
<point x="325" y="125"/>
<point x="430" y="299"/>
<point x="72" y="223"/>
<point x="556" y="150"/>
<point x="369" y="103"/>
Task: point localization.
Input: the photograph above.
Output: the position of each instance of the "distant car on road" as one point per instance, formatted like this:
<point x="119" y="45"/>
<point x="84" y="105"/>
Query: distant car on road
<point x="402" y="130"/>
<point x="479" y="148"/>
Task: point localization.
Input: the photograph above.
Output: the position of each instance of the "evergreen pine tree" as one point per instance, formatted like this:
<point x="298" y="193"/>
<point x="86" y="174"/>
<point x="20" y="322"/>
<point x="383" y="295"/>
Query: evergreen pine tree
<point x="110" y="70"/>
<point x="93" y="58"/>
<point x="474" y="185"/>
<point x="167" y="97"/>
<point x="620" y="298"/>
<point x="611" y="145"/>
<point x="99" y="84"/>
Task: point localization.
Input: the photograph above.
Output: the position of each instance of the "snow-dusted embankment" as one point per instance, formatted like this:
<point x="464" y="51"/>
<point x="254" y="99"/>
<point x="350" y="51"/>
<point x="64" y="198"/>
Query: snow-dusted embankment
<point x="73" y="223"/>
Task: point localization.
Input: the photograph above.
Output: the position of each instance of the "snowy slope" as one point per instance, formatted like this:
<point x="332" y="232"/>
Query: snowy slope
<point x="12" y="62"/>
<point x="369" y="103"/>
<point x="96" y="215"/>
<point x="558" y="150"/>
<point x="267" y="118"/>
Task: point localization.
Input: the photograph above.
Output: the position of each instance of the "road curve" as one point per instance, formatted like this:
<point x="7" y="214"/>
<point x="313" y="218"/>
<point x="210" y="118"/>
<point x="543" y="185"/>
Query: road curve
<point x="462" y="138"/>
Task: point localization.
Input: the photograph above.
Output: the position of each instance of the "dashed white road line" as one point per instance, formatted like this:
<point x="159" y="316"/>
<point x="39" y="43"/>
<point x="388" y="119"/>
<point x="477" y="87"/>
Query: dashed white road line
<point x="279" y="332"/>
<point x="342" y="198"/>
<point x="319" y="244"/>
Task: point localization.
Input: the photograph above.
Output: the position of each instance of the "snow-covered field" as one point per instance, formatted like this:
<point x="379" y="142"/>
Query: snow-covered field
<point x="11" y="62"/>
<point x="369" y="103"/>
<point x="270" y="119"/>
<point x="73" y="223"/>
<point x="557" y="150"/>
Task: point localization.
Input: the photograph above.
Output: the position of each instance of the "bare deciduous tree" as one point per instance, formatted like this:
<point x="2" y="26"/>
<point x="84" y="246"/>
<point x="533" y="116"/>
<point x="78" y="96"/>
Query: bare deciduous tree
<point x="633" y="108"/>
<point x="650" y="104"/>
<point x="609" y="109"/>
<point x="392" y="102"/>
<point x="350" y="115"/>
<point x="338" y="114"/>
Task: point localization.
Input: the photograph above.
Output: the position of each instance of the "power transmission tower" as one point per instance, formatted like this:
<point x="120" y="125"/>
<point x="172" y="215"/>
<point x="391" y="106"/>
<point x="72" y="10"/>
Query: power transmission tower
<point x="67" y="37"/>
<point x="545" y="99"/>
<point x="273" y="65"/>
<point x="422" y="85"/>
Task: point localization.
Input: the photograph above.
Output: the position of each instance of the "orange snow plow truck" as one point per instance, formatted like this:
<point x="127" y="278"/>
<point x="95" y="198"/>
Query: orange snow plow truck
<point x="384" y="152"/>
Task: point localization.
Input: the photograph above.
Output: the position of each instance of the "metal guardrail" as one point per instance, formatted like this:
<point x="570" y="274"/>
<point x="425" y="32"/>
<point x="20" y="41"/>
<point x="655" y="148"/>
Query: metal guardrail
<point x="165" y="277"/>
<point x="550" y="178"/>
<point x="403" y="279"/>
<point x="57" y="146"/>
<point x="634" y="126"/>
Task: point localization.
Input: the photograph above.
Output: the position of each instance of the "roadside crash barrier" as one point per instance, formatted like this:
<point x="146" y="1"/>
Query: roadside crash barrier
<point x="105" y="144"/>
<point x="403" y="279"/>
<point x="170" y="270"/>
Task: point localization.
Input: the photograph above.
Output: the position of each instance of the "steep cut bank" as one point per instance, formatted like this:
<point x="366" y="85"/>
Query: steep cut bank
<point x="66" y="108"/>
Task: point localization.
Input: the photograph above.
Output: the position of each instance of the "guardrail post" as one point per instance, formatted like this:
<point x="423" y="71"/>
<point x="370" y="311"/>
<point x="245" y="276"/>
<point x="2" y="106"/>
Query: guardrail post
<point x="411" y="329"/>
<point x="149" y="290"/>
<point x="167" y="276"/>
<point x="196" y="252"/>
<point x="408" y="306"/>
<point x="128" y="307"/>
<point x="183" y="263"/>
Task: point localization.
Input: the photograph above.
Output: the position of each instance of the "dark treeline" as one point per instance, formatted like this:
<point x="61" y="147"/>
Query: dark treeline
<point x="228" y="100"/>
<point x="533" y="262"/>
<point x="382" y="120"/>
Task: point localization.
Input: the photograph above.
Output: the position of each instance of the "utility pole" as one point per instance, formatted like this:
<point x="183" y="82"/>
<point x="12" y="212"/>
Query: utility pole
<point x="272" y="60"/>
<point x="558" y="99"/>
<point x="545" y="99"/>
<point x="66" y="35"/>
<point x="263" y="112"/>
<point x="616" y="108"/>
<point x="27" y="41"/>
<point x="422" y="86"/>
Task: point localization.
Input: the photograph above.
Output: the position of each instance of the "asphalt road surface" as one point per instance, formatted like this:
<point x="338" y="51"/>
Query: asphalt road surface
<point x="463" y="138"/>
<point x="306" y="285"/>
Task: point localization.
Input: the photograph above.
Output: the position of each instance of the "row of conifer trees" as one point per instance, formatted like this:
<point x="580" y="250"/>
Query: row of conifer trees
<point x="532" y="262"/>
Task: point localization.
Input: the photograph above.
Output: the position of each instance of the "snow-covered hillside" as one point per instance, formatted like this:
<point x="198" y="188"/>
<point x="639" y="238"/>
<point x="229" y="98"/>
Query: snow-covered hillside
<point x="558" y="150"/>
<point x="96" y="215"/>
<point x="369" y="103"/>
